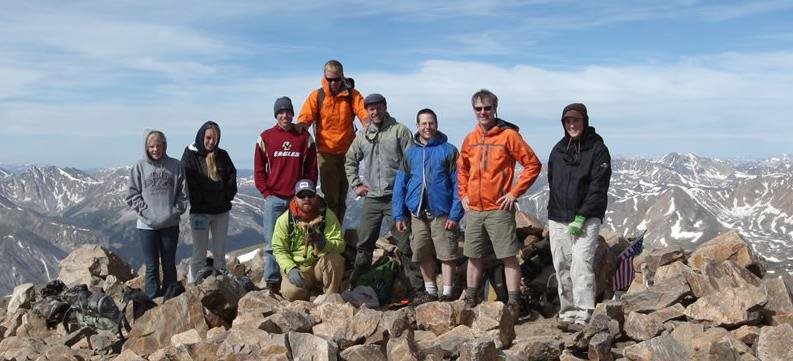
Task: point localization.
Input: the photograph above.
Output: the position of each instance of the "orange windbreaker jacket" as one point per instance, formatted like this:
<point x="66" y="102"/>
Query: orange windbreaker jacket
<point x="336" y="128"/>
<point x="486" y="167"/>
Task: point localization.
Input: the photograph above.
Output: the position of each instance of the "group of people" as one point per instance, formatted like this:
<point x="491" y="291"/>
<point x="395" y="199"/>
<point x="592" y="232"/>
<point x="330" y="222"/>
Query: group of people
<point x="419" y="183"/>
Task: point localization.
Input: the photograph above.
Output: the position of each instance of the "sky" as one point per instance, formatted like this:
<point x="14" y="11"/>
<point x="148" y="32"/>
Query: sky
<point x="80" y="81"/>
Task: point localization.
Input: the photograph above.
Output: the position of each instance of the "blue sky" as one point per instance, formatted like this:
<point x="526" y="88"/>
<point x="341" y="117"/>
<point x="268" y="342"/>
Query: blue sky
<point x="81" y="80"/>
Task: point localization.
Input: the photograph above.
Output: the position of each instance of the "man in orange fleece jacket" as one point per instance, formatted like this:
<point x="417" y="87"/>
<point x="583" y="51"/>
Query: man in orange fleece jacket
<point x="485" y="173"/>
<point x="332" y="110"/>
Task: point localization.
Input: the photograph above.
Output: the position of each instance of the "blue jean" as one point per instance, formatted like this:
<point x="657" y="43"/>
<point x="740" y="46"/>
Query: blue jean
<point x="274" y="207"/>
<point x="159" y="246"/>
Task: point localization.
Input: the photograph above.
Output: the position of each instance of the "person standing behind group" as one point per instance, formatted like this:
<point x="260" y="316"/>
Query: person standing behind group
<point x="282" y="156"/>
<point x="371" y="166"/>
<point x="486" y="170"/>
<point x="211" y="185"/>
<point x="426" y="187"/>
<point x="579" y="173"/>
<point x="155" y="191"/>
<point x="332" y="110"/>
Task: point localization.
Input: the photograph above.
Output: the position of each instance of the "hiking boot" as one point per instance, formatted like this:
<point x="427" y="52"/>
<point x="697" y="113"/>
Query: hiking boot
<point x="514" y="308"/>
<point x="447" y="298"/>
<point x="471" y="300"/>
<point x="423" y="297"/>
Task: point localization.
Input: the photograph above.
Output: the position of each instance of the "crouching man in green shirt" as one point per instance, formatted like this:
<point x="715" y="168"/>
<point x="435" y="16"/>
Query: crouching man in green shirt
<point x="307" y="245"/>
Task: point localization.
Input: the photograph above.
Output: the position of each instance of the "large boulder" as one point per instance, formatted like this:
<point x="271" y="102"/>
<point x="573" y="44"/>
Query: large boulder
<point x="730" y="307"/>
<point x="774" y="343"/>
<point x="728" y="246"/>
<point x="363" y="353"/>
<point x="305" y="346"/>
<point x="90" y="264"/>
<point x="154" y="329"/>
<point x="660" y="295"/>
<point x="779" y="308"/>
<point x="251" y="344"/>
<point x="22" y="297"/>
<point x="220" y="295"/>
<point x="661" y="348"/>
<point x="494" y="321"/>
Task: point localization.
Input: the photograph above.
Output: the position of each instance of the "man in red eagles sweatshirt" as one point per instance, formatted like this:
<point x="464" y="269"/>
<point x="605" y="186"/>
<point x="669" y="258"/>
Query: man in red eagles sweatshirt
<point x="283" y="155"/>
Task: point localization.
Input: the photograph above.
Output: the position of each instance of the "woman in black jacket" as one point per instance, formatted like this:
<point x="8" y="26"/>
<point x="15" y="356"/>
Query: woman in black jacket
<point x="579" y="172"/>
<point x="211" y="185"/>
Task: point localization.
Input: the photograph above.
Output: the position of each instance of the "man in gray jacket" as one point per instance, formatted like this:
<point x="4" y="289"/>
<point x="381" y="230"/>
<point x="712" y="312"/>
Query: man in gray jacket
<point x="371" y="166"/>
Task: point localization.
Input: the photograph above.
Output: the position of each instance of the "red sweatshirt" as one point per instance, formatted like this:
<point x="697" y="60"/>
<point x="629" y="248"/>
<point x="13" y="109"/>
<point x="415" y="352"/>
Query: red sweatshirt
<point x="281" y="158"/>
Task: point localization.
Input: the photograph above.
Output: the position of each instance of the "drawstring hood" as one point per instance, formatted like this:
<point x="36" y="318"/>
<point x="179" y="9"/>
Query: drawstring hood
<point x="198" y="144"/>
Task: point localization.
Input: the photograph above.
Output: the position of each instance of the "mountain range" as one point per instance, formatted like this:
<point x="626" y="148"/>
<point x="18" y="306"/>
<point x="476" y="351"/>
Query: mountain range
<point x="681" y="199"/>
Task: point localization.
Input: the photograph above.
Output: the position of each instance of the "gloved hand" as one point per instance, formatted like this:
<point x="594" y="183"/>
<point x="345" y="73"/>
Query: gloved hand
<point x="576" y="227"/>
<point x="295" y="277"/>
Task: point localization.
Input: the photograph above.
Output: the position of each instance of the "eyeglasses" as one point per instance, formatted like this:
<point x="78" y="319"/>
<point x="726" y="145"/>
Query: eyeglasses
<point x="486" y="108"/>
<point x="305" y="195"/>
<point x="331" y="80"/>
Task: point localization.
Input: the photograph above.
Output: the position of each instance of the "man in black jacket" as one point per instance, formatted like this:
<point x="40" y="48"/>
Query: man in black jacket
<point x="579" y="172"/>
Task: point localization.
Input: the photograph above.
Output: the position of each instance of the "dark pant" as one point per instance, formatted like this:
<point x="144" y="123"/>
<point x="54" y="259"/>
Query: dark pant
<point x="374" y="210"/>
<point x="159" y="245"/>
<point x="333" y="181"/>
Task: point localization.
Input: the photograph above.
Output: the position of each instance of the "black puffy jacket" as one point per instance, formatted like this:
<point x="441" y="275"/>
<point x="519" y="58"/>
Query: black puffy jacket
<point x="579" y="173"/>
<point x="208" y="196"/>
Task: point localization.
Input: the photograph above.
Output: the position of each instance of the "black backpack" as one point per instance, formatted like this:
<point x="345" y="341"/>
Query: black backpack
<point x="140" y="304"/>
<point x="96" y="310"/>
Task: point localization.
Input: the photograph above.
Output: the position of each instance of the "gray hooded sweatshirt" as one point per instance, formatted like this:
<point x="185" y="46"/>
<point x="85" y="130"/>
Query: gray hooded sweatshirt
<point x="156" y="191"/>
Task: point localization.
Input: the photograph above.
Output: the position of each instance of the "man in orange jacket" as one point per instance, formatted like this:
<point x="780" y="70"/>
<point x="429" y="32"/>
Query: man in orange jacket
<point x="332" y="110"/>
<point x="485" y="172"/>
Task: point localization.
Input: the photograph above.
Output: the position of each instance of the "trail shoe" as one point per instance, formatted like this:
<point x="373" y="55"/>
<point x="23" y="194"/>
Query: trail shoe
<point x="423" y="297"/>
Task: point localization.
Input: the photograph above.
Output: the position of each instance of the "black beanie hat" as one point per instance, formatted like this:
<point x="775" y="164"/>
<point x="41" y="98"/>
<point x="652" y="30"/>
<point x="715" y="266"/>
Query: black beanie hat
<point x="283" y="103"/>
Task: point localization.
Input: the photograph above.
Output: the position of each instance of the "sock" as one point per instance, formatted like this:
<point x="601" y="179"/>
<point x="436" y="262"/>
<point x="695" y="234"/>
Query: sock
<point x="447" y="290"/>
<point x="514" y="296"/>
<point x="430" y="287"/>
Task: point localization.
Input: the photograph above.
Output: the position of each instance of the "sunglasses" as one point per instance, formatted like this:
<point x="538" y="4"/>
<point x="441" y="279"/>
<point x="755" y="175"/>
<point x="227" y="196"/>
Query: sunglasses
<point x="306" y="195"/>
<point x="485" y="108"/>
<point x="332" y="80"/>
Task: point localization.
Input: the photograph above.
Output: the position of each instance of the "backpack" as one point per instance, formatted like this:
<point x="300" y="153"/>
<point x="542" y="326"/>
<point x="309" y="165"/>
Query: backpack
<point x="380" y="278"/>
<point x="93" y="310"/>
<point x="51" y="306"/>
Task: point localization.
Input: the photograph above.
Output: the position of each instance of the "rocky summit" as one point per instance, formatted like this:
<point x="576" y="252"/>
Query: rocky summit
<point x="716" y="302"/>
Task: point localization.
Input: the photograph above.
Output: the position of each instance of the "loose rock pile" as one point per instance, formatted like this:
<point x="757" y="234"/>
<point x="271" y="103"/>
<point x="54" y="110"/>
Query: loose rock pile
<point x="715" y="303"/>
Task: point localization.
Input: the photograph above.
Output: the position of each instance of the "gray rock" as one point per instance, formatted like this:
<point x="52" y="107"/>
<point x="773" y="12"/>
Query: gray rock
<point x="478" y="350"/>
<point x="254" y="343"/>
<point x="451" y="341"/>
<point x="539" y="348"/>
<point x="305" y="346"/>
<point x="89" y="261"/>
<point x="220" y="295"/>
<point x="747" y="334"/>
<point x="661" y="348"/>
<point x="642" y="327"/>
<point x="729" y="307"/>
<point x="403" y="347"/>
<point x="22" y="297"/>
<point x="600" y="347"/>
<point x="437" y="317"/>
<point x="363" y="353"/>
<point x="661" y="294"/>
<point x="494" y="316"/>
<point x="154" y="329"/>
<point x="288" y="320"/>
<point x="774" y="343"/>
<point x="727" y="246"/>
<point x="779" y="308"/>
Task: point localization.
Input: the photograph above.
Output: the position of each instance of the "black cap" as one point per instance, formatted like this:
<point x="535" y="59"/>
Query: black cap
<point x="373" y="99"/>
<point x="283" y="103"/>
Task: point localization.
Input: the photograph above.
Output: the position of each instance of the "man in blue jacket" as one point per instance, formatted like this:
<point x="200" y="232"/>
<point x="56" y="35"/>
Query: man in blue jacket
<point x="426" y="190"/>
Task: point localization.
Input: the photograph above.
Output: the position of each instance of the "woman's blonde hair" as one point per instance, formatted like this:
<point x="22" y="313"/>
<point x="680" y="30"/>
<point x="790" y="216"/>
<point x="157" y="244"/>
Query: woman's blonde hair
<point x="212" y="168"/>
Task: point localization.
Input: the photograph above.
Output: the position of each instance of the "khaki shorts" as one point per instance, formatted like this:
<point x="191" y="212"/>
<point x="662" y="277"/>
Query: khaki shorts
<point x="490" y="227"/>
<point x="431" y="239"/>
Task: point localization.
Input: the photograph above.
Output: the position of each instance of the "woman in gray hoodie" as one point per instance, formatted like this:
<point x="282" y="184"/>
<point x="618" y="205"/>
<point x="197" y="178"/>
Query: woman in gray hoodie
<point x="156" y="192"/>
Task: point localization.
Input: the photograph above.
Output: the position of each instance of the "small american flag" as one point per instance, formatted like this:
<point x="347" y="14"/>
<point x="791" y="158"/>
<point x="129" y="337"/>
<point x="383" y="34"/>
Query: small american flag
<point x="624" y="276"/>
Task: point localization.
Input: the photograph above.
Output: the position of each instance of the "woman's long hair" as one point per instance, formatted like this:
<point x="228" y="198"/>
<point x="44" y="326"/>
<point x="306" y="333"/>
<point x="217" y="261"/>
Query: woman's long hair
<point x="212" y="168"/>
